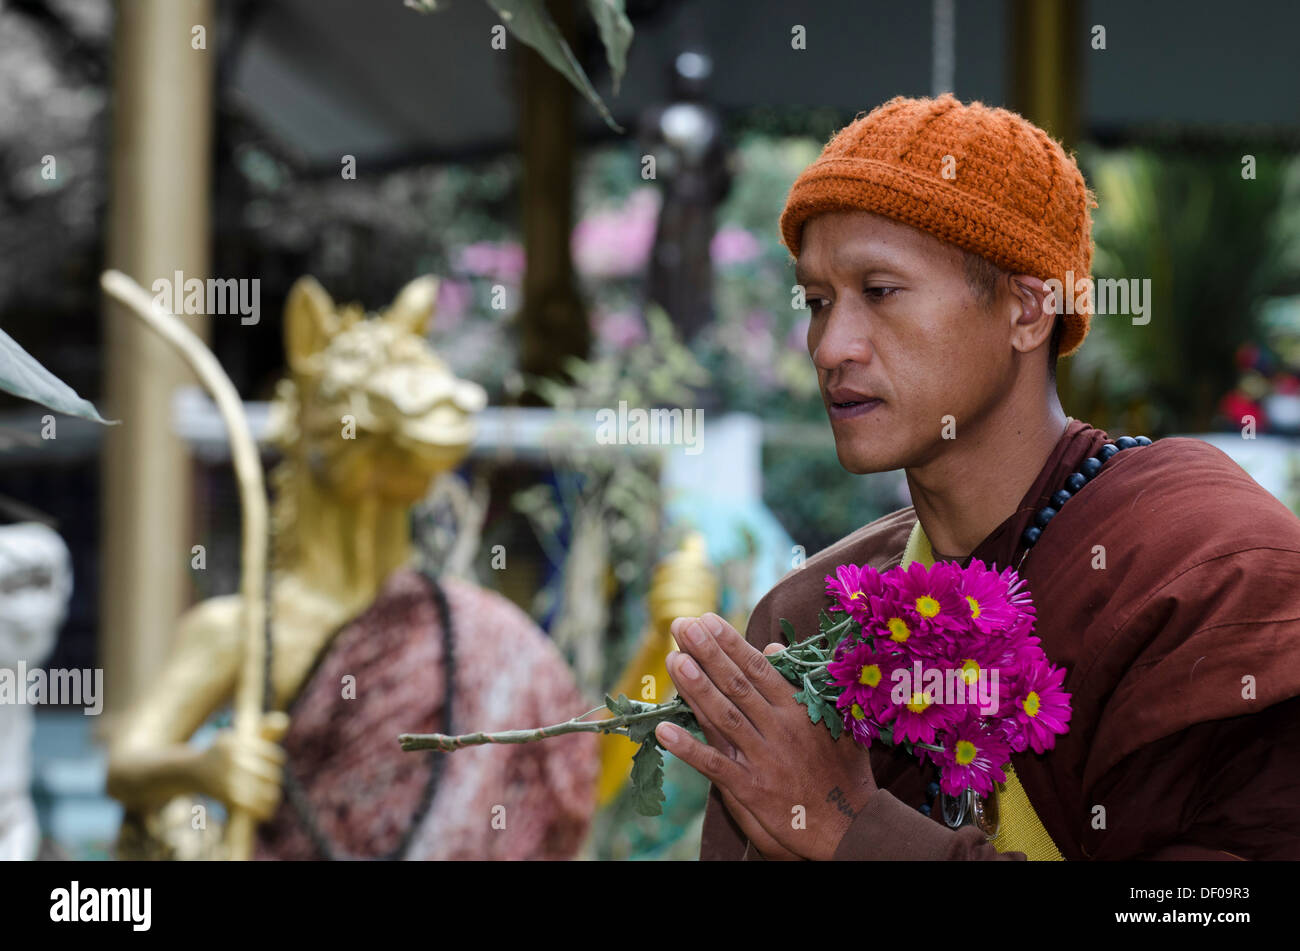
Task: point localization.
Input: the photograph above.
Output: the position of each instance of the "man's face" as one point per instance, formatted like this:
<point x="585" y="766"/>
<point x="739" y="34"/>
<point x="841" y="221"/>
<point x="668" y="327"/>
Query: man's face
<point x="893" y="318"/>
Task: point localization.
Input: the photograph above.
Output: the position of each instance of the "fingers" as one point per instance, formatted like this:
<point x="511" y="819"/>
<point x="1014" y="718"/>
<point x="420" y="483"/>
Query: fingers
<point x="274" y="725"/>
<point x="717" y="768"/>
<point x="253" y="767"/>
<point x="256" y="798"/>
<point x="710" y="706"/>
<point x="717" y="739"/>
<point x="723" y="645"/>
<point x="256" y="772"/>
<point x="755" y="831"/>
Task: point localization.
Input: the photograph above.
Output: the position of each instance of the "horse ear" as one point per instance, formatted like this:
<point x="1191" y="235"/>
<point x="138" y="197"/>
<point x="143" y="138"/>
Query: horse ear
<point x="413" y="307"/>
<point x="309" y="321"/>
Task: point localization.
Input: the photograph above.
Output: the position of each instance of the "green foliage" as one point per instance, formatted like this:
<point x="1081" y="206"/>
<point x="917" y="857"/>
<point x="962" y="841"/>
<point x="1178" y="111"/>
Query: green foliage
<point x="648" y="778"/>
<point x="803" y="663"/>
<point x="647" y="764"/>
<point x="619" y="488"/>
<point x="621" y="706"/>
<point x="1213" y="245"/>
<point x="615" y="33"/>
<point x="531" y="24"/>
<point x="22" y="375"/>
<point x="820" y="710"/>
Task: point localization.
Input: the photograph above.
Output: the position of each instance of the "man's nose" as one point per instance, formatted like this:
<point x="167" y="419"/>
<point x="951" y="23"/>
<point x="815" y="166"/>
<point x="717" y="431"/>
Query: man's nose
<point x="845" y="335"/>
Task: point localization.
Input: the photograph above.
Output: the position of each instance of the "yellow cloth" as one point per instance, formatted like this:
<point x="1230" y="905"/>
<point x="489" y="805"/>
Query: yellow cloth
<point x="1019" y="828"/>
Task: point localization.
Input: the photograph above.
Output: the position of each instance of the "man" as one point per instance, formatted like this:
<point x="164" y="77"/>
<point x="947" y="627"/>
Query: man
<point x="1166" y="581"/>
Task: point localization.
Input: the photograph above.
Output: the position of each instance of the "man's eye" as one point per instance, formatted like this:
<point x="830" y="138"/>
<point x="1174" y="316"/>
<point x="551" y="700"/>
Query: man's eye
<point x="880" y="293"/>
<point x="816" y="304"/>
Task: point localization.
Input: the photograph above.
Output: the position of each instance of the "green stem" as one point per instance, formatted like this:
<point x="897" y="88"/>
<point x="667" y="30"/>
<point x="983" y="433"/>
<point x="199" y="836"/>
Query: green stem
<point x="618" y="724"/>
<point x="806" y="663"/>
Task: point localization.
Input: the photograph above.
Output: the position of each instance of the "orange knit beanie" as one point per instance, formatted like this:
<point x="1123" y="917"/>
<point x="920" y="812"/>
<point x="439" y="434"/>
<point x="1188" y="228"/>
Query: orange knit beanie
<point x="981" y="178"/>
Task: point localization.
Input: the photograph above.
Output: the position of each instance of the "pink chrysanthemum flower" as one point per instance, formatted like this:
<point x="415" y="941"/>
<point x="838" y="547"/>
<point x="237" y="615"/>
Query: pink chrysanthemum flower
<point x="889" y="619"/>
<point x="931" y="597"/>
<point x="920" y="715"/>
<point x="863" y="673"/>
<point x="1042" y="707"/>
<point x="985" y="688"/>
<point x="857" y="721"/>
<point x="851" y="586"/>
<point x="1018" y="597"/>
<point x="986" y="594"/>
<point x="974" y="754"/>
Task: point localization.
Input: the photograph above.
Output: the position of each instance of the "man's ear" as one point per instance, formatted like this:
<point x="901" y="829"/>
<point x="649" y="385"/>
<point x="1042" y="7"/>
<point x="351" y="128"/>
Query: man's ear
<point x="1035" y="314"/>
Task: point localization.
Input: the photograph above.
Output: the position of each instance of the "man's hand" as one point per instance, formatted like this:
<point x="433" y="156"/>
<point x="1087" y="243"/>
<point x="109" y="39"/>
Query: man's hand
<point x="790" y="786"/>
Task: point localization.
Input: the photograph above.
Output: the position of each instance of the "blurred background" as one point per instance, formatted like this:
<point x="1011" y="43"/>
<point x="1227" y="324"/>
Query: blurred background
<point x="597" y="186"/>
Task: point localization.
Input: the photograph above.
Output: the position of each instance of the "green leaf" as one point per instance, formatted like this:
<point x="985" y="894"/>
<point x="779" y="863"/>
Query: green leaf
<point x="620" y="706"/>
<point x="615" y="32"/>
<point x="22" y="375"/>
<point x="648" y="779"/>
<point x="642" y="730"/>
<point x="788" y="630"/>
<point x="529" y="21"/>
<point x="810" y="701"/>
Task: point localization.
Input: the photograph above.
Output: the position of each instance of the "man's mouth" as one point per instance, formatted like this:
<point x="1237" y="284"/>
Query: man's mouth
<point x="846" y="403"/>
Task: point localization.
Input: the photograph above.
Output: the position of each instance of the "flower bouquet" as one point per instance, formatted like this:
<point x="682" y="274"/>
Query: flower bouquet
<point x="941" y="661"/>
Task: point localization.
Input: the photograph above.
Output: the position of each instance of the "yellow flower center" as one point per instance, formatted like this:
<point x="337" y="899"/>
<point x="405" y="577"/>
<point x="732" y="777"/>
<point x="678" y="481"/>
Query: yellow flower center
<point x="870" y="675"/>
<point x="974" y="606"/>
<point x="857" y="711"/>
<point x="919" y="704"/>
<point x="898" y="629"/>
<point x="970" y="671"/>
<point x="927" y="606"/>
<point x="853" y="596"/>
<point x="966" y="752"/>
<point x="1031" y="703"/>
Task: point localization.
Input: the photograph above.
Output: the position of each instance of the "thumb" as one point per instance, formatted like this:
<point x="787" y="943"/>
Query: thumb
<point x="274" y="725"/>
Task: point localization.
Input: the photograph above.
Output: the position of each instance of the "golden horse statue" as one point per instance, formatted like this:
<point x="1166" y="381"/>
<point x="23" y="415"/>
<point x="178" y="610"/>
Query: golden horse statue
<point x="367" y="418"/>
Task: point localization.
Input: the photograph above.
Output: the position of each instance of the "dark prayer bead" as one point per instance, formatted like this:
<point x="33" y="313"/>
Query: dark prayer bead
<point x="1090" y="466"/>
<point x="1144" y="440"/>
<point x="1076" y="481"/>
<point x="1044" y="516"/>
<point x="932" y="790"/>
<point x="1031" y="534"/>
<point x="1126" y="442"/>
<point x="1106" y="451"/>
<point x="924" y="809"/>
<point x="1060" y="498"/>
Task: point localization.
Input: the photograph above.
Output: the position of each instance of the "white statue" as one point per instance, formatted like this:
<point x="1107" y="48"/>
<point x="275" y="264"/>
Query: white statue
<point x="35" y="584"/>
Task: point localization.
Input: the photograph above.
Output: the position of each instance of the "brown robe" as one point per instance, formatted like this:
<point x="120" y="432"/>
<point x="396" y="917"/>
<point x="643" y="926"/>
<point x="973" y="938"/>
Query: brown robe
<point x="1182" y="657"/>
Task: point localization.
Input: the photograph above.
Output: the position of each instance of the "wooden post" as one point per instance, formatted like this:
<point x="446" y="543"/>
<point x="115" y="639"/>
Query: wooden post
<point x="552" y="320"/>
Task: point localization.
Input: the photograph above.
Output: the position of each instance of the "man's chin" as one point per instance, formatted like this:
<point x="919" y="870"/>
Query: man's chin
<point x="864" y="462"/>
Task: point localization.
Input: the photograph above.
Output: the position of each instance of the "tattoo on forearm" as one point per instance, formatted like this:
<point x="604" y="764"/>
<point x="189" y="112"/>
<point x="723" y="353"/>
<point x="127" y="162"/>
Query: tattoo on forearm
<point x="836" y="795"/>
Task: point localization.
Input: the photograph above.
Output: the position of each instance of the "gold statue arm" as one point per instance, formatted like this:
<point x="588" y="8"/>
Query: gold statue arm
<point x="149" y="759"/>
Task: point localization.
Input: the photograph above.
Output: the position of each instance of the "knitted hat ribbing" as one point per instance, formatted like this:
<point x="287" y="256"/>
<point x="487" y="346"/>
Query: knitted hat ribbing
<point x="1011" y="193"/>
